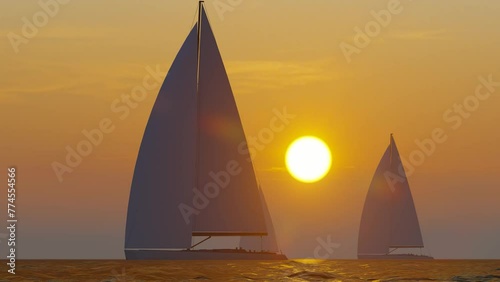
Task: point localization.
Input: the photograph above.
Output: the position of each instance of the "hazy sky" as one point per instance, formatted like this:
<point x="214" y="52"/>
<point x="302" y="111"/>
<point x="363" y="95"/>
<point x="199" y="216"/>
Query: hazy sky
<point x="427" y="58"/>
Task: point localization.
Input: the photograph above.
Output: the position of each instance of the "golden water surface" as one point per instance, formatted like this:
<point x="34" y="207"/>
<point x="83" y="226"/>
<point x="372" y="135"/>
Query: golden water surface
<point x="291" y="270"/>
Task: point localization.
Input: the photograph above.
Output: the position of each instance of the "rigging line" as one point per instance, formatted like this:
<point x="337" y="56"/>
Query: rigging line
<point x="200" y="242"/>
<point x="195" y="17"/>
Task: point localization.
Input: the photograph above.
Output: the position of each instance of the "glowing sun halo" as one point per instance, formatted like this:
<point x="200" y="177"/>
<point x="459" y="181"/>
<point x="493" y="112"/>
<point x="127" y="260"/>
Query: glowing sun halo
<point x="308" y="159"/>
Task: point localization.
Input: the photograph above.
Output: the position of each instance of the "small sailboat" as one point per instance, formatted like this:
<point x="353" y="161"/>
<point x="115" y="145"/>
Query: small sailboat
<point x="190" y="179"/>
<point x="389" y="221"/>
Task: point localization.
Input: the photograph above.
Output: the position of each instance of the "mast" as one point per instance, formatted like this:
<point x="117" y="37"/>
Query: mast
<point x="200" y="7"/>
<point x="197" y="99"/>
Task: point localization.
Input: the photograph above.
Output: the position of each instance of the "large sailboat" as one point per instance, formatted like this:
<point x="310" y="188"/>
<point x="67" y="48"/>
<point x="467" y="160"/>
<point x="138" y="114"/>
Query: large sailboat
<point x="389" y="222"/>
<point x="191" y="182"/>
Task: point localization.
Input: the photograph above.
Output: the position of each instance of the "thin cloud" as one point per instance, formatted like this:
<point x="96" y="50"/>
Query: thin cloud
<point x="273" y="169"/>
<point x="437" y="34"/>
<point x="249" y="75"/>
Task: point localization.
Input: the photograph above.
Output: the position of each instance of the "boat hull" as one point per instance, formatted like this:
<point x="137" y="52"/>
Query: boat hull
<point x="396" y="256"/>
<point x="201" y="255"/>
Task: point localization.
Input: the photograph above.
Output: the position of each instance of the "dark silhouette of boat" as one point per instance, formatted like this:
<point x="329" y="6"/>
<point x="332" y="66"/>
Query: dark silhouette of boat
<point x="389" y="221"/>
<point x="190" y="179"/>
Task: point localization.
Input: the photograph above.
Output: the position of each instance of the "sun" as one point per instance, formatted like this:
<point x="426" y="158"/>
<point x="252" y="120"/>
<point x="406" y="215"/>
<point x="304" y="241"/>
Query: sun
<point x="308" y="159"/>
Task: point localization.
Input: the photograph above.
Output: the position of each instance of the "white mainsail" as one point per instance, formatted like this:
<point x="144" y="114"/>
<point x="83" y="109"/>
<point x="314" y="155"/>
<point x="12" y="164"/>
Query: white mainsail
<point x="405" y="226"/>
<point x="389" y="218"/>
<point x="193" y="133"/>
<point x="236" y="208"/>
<point x="164" y="173"/>
<point x="265" y="243"/>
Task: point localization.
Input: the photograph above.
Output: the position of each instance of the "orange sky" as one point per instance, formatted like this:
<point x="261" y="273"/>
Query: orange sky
<point x="277" y="54"/>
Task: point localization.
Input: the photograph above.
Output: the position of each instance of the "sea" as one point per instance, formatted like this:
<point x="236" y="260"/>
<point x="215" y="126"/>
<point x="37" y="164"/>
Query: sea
<point x="290" y="270"/>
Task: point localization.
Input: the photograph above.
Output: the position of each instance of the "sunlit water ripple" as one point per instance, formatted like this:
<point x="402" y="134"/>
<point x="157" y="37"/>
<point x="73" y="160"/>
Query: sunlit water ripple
<point x="291" y="270"/>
